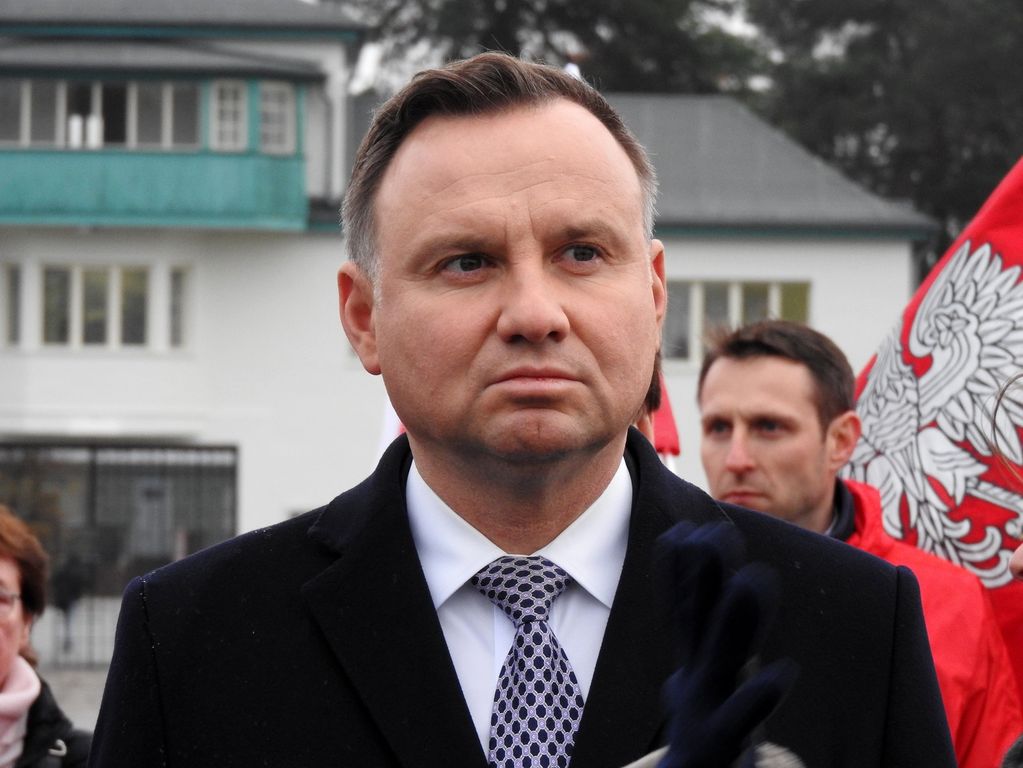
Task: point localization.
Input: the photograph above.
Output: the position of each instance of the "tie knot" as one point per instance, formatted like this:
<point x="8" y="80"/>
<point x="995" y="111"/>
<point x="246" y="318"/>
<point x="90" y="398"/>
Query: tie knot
<point x="522" y="587"/>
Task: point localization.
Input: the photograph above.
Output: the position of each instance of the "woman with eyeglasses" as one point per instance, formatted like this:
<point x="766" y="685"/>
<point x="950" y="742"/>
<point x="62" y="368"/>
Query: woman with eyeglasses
<point x="34" y="732"/>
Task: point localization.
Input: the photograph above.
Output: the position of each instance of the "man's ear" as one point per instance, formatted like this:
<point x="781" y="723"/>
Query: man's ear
<point x="842" y="436"/>
<point x="659" y="284"/>
<point x="356" y="306"/>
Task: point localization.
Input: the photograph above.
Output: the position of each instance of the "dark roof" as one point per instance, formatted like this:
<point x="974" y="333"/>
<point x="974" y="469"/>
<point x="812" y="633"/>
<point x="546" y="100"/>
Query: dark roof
<point x="250" y="14"/>
<point x="722" y="167"/>
<point x="154" y="57"/>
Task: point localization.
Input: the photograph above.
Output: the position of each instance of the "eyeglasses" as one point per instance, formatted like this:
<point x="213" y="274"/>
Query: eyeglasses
<point x="7" y="601"/>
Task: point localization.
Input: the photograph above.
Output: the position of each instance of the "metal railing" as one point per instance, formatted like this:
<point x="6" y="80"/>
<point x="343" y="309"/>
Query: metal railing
<point x="107" y="513"/>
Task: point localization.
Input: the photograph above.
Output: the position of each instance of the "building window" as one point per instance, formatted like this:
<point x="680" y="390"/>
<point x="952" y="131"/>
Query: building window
<point x="229" y="113"/>
<point x="134" y="294"/>
<point x="795" y="301"/>
<point x="149" y="112"/>
<point x="178" y="299"/>
<point x="715" y="306"/>
<point x="165" y="115"/>
<point x="113" y="108"/>
<point x="277" y="118"/>
<point x="56" y="305"/>
<point x="43" y="118"/>
<point x="90" y="114"/>
<point x="82" y="128"/>
<point x="12" y="313"/>
<point x="10" y="110"/>
<point x="95" y="306"/>
<point x="677" y="323"/>
<point x="97" y="114"/>
<point x="86" y="114"/>
<point x="184" y="114"/>
<point x="696" y="309"/>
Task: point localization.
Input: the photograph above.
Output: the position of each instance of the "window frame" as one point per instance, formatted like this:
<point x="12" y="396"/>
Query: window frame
<point x="12" y="288"/>
<point x="735" y="297"/>
<point x="59" y="113"/>
<point x="240" y="142"/>
<point x="286" y="114"/>
<point x="21" y="97"/>
<point x="69" y="310"/>
<point x="179" y="286"/>
<point x="113" y="309"/>
<point x="104" y="309"/>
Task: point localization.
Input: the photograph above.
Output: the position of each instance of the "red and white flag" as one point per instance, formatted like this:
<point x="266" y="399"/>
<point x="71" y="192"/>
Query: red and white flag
<point x="948" y="465"/>
<point x="666" y="441"/>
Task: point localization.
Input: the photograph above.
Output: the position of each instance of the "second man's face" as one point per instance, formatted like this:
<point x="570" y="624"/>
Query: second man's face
<point x="519" y="300"/>
<point x="762" y="444"/>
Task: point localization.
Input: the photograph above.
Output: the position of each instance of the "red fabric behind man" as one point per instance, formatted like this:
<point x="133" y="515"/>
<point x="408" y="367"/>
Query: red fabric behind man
<point x="977" y="685"/>
<point x="927" y="405"/>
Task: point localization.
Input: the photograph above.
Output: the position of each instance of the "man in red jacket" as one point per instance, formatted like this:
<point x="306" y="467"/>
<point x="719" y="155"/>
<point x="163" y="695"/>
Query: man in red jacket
<point x="778" y="424"/>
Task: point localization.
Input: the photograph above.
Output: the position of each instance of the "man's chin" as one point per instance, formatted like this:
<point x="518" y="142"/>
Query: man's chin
<point x="544" y="441"/>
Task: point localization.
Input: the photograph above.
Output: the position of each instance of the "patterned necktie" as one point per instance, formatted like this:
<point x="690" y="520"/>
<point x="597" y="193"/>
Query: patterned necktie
<point x="538" y="702"/>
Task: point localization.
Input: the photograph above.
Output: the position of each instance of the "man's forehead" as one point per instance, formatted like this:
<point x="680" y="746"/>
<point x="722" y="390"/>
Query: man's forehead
<point x="556" y="123"/>
<point x="757" y="384"/>
<point x="548" y="155"/>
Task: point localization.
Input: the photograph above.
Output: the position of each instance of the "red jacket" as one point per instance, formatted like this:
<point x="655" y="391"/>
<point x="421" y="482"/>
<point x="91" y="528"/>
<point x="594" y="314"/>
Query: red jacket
<point x="974" y="672"/>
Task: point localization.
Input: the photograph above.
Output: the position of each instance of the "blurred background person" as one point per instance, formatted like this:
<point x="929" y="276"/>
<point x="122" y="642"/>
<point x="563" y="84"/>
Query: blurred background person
<point x="777" y="426"/>
<point x="34" y="732"/>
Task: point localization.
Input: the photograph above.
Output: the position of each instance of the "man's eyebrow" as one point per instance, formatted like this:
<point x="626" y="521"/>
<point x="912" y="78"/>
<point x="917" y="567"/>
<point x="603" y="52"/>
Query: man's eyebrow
<point x="710" y="417"/>
<point x="590" y="228"/>
<point x="453" y="243"/>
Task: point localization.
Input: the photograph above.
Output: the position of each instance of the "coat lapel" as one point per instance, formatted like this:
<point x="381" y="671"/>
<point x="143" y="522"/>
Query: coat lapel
<point x="624" y="716"/>
<point x="374" y="608"/>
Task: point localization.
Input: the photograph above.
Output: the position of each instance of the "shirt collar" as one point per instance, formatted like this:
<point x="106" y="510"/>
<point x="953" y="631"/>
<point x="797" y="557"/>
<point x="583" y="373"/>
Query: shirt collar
<point x="591" y="549"/>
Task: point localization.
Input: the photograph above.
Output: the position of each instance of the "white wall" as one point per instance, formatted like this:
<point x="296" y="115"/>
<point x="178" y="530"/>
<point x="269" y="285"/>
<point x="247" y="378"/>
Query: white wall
<point x="267" y="367"/>
<point x="858" y="288"/>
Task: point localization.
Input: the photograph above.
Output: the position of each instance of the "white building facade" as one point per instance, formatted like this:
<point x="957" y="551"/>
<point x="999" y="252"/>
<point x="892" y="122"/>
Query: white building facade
<point x="172" y="367"/>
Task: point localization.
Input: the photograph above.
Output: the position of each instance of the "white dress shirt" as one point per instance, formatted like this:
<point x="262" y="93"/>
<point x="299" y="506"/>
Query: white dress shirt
<point x="479" y="634"/>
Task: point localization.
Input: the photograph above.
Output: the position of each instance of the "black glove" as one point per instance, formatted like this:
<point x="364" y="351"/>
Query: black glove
<point x="715" y="707"/>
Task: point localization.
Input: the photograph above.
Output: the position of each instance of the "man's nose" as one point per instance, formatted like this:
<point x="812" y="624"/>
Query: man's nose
<point x="738" y="459"/>
<point x="532" y="306"/>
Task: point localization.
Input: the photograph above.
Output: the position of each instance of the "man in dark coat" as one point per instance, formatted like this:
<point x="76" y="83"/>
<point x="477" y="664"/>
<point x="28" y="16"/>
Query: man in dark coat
<point x="504" y="281"/>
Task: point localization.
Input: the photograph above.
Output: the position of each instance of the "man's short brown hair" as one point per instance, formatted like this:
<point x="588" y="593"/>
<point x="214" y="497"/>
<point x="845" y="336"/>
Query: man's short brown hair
<point x="833" y="380"/>
<point x="483" y="84"/>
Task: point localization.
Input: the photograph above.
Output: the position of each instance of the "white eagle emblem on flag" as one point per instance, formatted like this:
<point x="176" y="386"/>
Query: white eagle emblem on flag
<point x="928" y="430"/>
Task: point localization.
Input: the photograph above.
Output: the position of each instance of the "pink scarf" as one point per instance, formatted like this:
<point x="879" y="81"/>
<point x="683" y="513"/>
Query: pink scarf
<point x="20" y="689"/>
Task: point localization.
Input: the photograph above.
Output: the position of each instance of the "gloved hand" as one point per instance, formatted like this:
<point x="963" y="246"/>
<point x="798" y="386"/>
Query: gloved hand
<point x="715" y="708"/>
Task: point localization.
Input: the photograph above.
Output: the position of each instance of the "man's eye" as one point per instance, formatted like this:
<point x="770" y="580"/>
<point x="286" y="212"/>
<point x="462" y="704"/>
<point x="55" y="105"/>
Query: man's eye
<point x="469" y="262"/>
<point x="581" y="252"/>
<point x="716" y="428"/>
<point x="767" y="425"/>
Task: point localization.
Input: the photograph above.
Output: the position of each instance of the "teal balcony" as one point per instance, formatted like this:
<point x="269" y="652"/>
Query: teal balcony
<point x="244" y="190"/>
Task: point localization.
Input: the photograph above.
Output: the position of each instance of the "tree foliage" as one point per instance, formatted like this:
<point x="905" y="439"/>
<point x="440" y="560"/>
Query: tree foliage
<point x="621" y="45"/>
<point x="915" y="100"/>
<point x="919" y="101"/>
